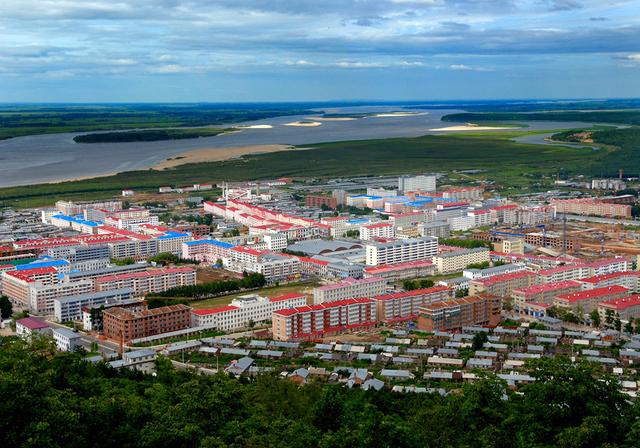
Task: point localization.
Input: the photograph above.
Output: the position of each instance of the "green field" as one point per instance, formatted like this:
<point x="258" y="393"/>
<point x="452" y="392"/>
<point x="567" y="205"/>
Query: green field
<point x="149" y="135"/>
<point x="273" y="291"/>
<point x="20" y="120"/>
<point x="510" y="164"/>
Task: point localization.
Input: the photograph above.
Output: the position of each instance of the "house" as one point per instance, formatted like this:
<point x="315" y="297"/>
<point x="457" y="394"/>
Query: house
<point x="237" y="368"/>
<point x="29" y="326"/>
<point x="66" y="340"/>
<point x="299" y="375"/>
<point x="397" y="374"/>
<point x="372" y="383"/>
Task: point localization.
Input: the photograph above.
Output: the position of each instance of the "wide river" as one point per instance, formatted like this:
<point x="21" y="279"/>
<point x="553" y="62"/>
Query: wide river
<point x="56" y="157"/>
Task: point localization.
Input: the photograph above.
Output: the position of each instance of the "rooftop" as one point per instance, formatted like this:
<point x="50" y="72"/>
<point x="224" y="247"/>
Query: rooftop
<point x="591" y="293"/>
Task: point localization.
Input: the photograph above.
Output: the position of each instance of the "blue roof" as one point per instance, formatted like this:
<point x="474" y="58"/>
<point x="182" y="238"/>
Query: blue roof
<point x="42" y="264"/>
<point x="214" y="242"/>
<point x="77" y="219"/>
<point x="171" y="234"/>
<point x="357" y="221"/>
<point x="367" y="196"/>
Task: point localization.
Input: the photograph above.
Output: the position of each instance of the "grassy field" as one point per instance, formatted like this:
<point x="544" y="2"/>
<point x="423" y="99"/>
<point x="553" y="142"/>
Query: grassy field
<point x="267" y="292"/>
<point x="622" y="116"/>
<point x="20" y="120"/>
<point x="508" y="163"/>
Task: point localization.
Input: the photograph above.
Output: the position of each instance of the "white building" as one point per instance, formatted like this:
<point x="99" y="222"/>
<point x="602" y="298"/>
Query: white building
<point x="401" y="251"/>
<point x="27" y="327"/>
<point x="66" y="340"/>
<point x="378" y="230"/>
<point x="244" y="309"/>
<point x="414" y="183"/>
<point x="276" y="241"/>
<point x="350" y="288"/>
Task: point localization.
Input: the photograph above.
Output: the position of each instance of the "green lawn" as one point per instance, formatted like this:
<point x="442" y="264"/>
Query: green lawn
<point x="267" y="292"/>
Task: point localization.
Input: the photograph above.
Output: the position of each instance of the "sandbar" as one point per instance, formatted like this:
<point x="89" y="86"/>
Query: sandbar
<point x="304" y="123"/>
<point x="398" y="114"/>
<point x="256" y="126"/>
<point x="471" y="128"/>
<point x="218" y="154"/>
<point x="333" y="118"/>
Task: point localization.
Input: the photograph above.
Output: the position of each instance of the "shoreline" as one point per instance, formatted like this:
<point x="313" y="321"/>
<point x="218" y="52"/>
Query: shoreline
<point x="204" y="155"/>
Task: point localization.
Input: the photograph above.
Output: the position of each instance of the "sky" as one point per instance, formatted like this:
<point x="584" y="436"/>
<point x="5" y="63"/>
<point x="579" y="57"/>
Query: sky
<point x="317" y="50"/>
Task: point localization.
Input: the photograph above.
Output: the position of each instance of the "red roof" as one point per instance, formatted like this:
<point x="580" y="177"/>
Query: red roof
<point x="32" y="323"/>
<point x="289" y="296"/>
<point x="562" y="269"/>
<point x="323" y="306"/>
<point x="505" y="207"/>
<point x="414" y="293"/>
<point x="144" y="274"/>
<point x="623" y="303"/>
<point x="397" y="267"/>
<point x="601" y="278"/>
<point x="553" y="286"/>
<point x="504" y="277"/>
<point x="28" y="274"/>
<point x="591" y="293"/>
<point x="215" y="310"/>
<point x="247" y="250"/>
<point x="378" y="225"/>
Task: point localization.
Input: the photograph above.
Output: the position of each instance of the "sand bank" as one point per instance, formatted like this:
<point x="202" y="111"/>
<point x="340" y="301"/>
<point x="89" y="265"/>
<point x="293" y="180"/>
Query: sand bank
<point x="332" y="118"/>
<point x="398" y="114"/>
<point x="256" y="126"/>
<point x="218" y="154"/>
<point x="304" y="123"/>
<point x="471" y="128"/>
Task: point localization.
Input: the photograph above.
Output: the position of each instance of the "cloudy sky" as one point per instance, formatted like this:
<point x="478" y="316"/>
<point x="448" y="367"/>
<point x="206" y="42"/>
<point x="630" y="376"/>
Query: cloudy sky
<point x="288" y="50"/>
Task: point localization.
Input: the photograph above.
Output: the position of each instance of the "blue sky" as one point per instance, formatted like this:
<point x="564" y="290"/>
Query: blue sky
<point x="303" y="50"/>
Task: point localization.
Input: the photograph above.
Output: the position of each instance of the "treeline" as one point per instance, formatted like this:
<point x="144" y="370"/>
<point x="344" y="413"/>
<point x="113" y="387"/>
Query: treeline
<point x="248" y="281"/>
<point x="467" y="244"/>
<point x="50" y="399"/>
<point x="151" y="135"/>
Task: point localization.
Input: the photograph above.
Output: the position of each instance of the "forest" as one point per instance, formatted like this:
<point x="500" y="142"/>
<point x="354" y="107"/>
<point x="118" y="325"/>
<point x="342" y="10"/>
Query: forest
<point x="51" y="399"/>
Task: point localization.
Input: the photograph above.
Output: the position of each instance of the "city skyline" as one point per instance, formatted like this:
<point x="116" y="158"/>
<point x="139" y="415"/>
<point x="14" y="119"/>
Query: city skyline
<point x="224" y="51"/>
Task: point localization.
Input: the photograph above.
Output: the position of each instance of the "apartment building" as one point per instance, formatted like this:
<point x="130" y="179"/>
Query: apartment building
<point x="591" y="207"/>
<point x="439" y="229"/>
<point x="138" y="249"/>
<point x="452" y="315"/>
<point x="154" y="280"/>
<point x="400" y="271"/>
<point x="130" y="219"/>
<point x="463" y="193"/>
<point x="308" y="322"/>
<point x="400" y="251"/>
<point x="411" y="219"/>
<point x="400" y="306"/>
<point x="628" y="279"/>
<point x="475" y="274"/>
<point x="544" y="293"/>
<point x="206" y="251"/>
<point x="274" y="267"/>
<point x="349" y="289"/>
<point x="421" y="182"/>
<point x="587" y="301"/>
<point x="245" y="309"/>
<point x="564" y="273"/>
<point x="510" y="246"/>
<point x="66" y="340"/>
<point x="504" y="284"/>
<point x="67" y="309"/>
<point x="319" y="201"/>
<point x="171" y="242"/>
<point x="456" y="261"/>
<point x="610" y="265"/>
<point x="125" y="324"/>
<point x="76" y="254"/>
<point x="378" y="230"/>
<point x="626" y="307"/>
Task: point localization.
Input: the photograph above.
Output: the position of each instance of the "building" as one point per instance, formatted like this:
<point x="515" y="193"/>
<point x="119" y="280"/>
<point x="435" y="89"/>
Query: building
<point x="92" y="314"/>
<point x="587" y="301"/>
<point x="206" y="251"/>
<point x="399" y="306"/>
<point x="245" y="309"/>
<point x="28" y="326"/>
<point x="504" y="284"/>
<point x="378" y="230"/>
<point x="510" y="246"/>
<point x="626" y="307"/>
<point x="66" y="340"/>
<point x="608" y="184"/>
<point x="423" y="182"/>
<point x="67" y="309"/>
<point x="124" y="324"/>
<point x="400" y="251"/>
<point x="628" y="279"/>
<point x="400" y="271"/>
<point x="454" y="314"/>
<point x="349" y="289"/>
<point x="439" y="229"/>
<point x="475" y="274"/>
<point x="319" y="201"/>
<point x="544" y="293"/>
<point x="592" y="207"/>
<point x="154" y="280"/>
<point x="325" y="319"/>
<point x="458" y="260"/>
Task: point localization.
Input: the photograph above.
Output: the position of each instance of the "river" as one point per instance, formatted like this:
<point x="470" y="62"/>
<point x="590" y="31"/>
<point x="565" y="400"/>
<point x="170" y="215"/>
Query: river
<point x="56" y="157"/>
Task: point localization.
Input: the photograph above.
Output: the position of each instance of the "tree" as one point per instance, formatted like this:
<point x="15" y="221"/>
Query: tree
<point x="478" y="340"/>
<point x="462" y="293"/>
<point x="595" y="318"/>
<point x="628" y="327"/>
<point x="6" y="308"/>
<point x="354" y="233"/>
<point x="617" y="323"/>
<point x="608" y="317"/>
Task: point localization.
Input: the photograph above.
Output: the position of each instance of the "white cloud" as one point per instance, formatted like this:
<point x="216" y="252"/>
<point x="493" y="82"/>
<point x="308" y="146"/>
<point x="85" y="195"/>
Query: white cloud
<point x="463" y="67"/>
<point x="169" y="69"/>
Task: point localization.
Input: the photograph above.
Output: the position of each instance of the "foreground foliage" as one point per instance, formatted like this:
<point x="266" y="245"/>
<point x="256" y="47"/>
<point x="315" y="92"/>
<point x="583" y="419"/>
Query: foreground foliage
<point x="54" y="400"/>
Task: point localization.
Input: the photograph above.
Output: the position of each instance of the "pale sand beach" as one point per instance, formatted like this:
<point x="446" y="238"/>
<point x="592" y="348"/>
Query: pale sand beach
<point x="256" y="126"/>
<point x="471" y="128"/>
<point x="304" y="123"/>
<point x="399" y="114"/>
<point x="332" y="118"/>
<point x="218" y="154"/>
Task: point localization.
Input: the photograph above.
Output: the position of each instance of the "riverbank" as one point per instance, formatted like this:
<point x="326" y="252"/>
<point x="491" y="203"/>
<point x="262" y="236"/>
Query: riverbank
<point x="220" y="154"/>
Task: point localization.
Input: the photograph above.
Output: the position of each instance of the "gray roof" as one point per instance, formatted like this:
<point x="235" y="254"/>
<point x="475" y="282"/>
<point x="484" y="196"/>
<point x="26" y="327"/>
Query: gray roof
<point x="234" y="351"/>
<point x="269" y="353"/>
<point x="396" y="373"/>
<point x="373" y="383"/>
<point x="69" y="334"/>
<point x="97" y="295"/>
<point x="304" y="373"/>
<point x="282" y="344"/>
<point x="479" y="362"/>
<point x="420" y="351"/>
<point x="218" y="341"/>
<point x="137" y="354"/>
<point x="256" y="343"/>
<point x="318" y="246"/>
<point x="240" y="366"/>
